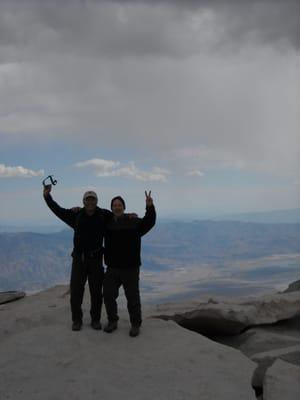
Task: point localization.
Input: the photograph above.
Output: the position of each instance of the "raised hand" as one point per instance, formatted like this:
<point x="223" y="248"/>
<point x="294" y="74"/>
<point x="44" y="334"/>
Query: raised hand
<point x="47" y="190"/>
<point x="149" y="200"/>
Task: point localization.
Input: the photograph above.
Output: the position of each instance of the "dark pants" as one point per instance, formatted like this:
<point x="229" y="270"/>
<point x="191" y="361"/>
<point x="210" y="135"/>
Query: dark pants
<point x="129" y="278"/>
<point x="84" y="269"/>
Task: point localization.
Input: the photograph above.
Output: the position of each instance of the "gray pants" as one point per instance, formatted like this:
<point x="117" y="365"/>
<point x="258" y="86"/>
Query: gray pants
<point x="129" y="279"/>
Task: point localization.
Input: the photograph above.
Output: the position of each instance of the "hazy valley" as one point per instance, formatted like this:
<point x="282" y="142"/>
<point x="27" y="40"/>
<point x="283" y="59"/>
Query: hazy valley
<point x="180" y="259"/>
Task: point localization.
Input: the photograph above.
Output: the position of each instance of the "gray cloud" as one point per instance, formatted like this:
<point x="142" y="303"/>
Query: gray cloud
<point x="109" y="168"/>
<point x="267" y="21"/>
<point x="156" y="76"/>
<point x="179" y="29"/>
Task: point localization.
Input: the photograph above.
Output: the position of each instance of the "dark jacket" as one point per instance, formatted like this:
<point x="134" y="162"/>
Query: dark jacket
<point x="88" y="230"/>
<point x="123" y="239"/>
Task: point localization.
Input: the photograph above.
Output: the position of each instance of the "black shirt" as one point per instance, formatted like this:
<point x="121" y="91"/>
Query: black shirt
<point x="88" y="229"/>
<point x="123" y="239"/>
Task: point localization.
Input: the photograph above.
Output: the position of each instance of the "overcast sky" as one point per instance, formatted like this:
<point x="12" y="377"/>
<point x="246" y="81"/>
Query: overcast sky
<point x="197" y="100"/>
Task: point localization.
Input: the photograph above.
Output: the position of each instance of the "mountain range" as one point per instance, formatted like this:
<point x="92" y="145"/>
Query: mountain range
<point x="33" y="261"/>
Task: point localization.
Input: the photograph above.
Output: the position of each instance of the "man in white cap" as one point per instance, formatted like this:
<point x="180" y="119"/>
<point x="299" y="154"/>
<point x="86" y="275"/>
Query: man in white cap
<point x="89" y="225"/>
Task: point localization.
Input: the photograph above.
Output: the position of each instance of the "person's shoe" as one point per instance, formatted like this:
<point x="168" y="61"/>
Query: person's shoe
<point x="96" y="325"/>
<point x="76" y="326"/>
<point x="134" y="331"/>
<point x="111" y="326"/>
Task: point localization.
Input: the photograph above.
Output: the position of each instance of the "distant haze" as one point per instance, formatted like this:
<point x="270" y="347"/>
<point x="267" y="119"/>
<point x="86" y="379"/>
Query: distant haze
<point x="272" y="217"/>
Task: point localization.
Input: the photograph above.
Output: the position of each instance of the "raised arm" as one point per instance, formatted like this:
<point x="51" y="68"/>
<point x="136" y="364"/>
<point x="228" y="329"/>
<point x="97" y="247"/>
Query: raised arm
<point x="67" y="216"/>
<point x="149" y="219"/>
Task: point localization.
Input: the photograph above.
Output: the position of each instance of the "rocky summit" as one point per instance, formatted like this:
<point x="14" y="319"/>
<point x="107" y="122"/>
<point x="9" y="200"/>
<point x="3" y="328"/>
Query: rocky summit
<point x="266" y="329"/>
<point x="42" y="358"/>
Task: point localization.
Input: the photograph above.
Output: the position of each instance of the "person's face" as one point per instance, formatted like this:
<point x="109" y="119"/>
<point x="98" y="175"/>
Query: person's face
<point x="90" y="203"/>
<point x="117" y="208"/>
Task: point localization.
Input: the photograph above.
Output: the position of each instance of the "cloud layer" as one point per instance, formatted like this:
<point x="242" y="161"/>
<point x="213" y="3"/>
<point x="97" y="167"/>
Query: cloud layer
<point x="19" y="171"/>
<point x="122" y="28"/>
<point x="193" y="85"/>
<point x="108" y="168"/>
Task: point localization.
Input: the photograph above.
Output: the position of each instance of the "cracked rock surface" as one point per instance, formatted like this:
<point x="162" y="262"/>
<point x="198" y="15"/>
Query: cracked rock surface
<point x="266" y="329"/>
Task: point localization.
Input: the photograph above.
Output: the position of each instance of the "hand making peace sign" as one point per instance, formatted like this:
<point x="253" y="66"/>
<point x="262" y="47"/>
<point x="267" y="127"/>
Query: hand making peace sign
<point x="149" y="200"/>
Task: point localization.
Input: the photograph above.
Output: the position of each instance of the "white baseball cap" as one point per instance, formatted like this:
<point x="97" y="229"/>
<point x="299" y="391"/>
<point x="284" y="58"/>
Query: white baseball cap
<point x="90" y="193"/>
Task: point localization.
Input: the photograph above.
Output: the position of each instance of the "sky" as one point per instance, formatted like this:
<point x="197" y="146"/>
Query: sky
<point x="196" y="100"/>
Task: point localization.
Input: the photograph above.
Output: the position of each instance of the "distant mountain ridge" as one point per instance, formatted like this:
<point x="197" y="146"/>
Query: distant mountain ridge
<point x="32" y="261"/>
<point x="290" y="216"/>
<point x="5" y="228"/>
<point x="276" y="216"/>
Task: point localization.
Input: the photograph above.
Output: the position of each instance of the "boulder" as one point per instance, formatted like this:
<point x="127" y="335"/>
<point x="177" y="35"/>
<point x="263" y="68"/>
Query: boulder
<point x="291" y="352"/>
<point x="7" y="297"/>
<point x="266" y="359"/>
<point x="265" y="338"/>
<point x="216" y="318"/>
<point x="293" y="287"/>
<point x="282" y="381"/>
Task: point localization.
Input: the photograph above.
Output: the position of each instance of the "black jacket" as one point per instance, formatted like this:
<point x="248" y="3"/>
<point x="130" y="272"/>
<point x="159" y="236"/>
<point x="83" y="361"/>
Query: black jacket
<point x="123" y="239"/>
<point x="88" y="230"/>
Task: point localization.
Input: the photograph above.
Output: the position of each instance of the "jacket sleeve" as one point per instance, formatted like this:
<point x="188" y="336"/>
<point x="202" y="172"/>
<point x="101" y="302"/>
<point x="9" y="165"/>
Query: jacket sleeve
<point x="66" y="215"/>
<point x="148" y="221"/>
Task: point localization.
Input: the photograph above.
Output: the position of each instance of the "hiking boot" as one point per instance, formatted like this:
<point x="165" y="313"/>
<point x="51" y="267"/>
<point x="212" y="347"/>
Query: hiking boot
<point x="96" y="325"/>
<point x="76" y="326"/>
<point x="134" y="331"/>
<point x="111" y="326"/>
